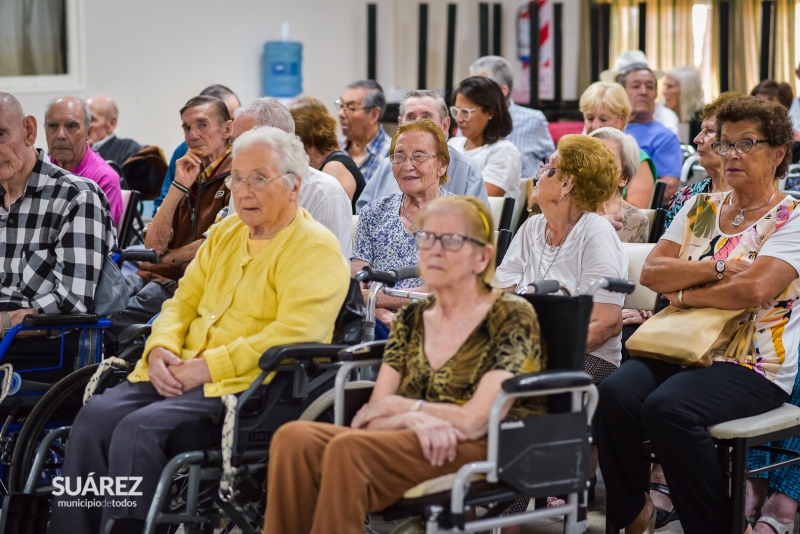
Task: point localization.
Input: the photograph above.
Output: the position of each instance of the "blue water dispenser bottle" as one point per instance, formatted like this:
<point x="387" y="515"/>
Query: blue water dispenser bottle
<point x="283" y="67"/>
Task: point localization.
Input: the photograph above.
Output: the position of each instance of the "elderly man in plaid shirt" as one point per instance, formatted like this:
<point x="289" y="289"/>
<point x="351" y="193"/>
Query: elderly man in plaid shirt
<point x="55" y="232"/>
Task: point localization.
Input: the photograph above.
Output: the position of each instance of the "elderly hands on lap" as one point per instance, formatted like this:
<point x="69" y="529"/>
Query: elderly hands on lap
<point x="172" y="376"/>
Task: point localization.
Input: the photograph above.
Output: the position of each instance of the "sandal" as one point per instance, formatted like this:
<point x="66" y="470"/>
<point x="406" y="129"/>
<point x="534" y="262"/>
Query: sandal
<point x="780" y="528"/>
<point x="663" y="517"/>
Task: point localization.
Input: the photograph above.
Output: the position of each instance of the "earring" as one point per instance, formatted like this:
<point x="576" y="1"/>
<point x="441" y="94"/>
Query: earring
<point x="563" y="198"/>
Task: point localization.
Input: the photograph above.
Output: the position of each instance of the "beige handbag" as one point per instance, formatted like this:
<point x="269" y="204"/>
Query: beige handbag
<point x="691" y="336"/>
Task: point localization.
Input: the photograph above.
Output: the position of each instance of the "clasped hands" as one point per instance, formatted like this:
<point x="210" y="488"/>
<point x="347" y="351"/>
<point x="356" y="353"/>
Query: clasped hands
<point x="172" y="376"/>
<point x="438" y="438"/>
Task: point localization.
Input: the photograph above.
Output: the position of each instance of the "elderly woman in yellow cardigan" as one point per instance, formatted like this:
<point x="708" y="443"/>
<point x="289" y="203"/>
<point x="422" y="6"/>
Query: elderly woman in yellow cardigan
<point x="267" y="276"/>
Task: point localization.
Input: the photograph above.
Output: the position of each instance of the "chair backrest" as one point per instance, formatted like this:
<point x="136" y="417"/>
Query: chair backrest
<point x="564" y="322"/>
<point x="525" y="187"/>
<point x="658" y="195"/>
<point x="658" y="225"/>
<point x="130" y="205"/>
<point x="642" y="298"/>
<point x="651" y="215"/>
<point x="496" y="209"/>
<point x="145" y="171"/>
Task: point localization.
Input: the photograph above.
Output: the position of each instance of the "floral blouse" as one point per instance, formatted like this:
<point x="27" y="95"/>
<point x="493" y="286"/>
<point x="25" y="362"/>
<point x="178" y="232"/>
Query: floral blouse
<point x="776" y="234"/>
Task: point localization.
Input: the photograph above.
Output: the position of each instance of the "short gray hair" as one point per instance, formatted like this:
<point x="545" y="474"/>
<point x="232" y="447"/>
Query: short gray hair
<point x="293" y="161"/>
<point x="496" y="68"/>
<point x="268" y="111"/>
<point x="441" y="104"/>
<point x="87" y="113"/>
<point x="633" y="67"/>
<point x="373" y="94"/>
<point x="628" y="149"/>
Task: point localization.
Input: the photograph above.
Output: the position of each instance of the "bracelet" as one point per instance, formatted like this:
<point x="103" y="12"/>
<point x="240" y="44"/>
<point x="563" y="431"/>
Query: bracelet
<point x="6" y="321"/>
<point x="417" y="406"/>
<point x="180" y="187"/>
<point x="680" y="297"/>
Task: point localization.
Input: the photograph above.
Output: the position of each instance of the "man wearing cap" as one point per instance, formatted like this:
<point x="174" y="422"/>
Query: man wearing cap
<point x="653" y="137"/>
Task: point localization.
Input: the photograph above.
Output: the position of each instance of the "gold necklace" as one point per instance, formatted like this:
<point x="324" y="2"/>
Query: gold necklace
<point x="739" y="218"/>
<point x="403" y="209"/>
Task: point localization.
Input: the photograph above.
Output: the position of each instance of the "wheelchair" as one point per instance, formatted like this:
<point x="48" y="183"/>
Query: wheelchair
<point x="31" y="402"/>
<point x="190" y="491"/>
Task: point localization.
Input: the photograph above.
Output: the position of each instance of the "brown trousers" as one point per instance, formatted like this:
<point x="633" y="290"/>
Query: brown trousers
<point x="326" y="479"/>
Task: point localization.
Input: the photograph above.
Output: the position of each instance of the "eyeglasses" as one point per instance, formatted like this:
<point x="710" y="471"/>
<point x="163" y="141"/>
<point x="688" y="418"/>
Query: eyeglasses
<point x="455" y="112"/>
<point x="417" y="158"/>
<point x="450" y="242"/>
<point x="348" y="110"/>
<point x="742" y="146"/>
<point x="544" y="167"/>
<point x="257" y="183"/>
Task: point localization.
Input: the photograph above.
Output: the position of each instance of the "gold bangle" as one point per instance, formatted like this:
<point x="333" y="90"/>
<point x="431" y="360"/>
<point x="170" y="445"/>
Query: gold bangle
<point x="417" y="406"/>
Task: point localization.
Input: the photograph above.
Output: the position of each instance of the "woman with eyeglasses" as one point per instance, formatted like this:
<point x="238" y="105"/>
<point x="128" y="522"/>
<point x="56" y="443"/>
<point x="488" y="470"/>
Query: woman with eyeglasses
<point x="269" y="275"/>
<point x="385" y="232"/>
<point x="445" y="360"/>
<point x="732" y="250"/>
<point x="570" y="243"/>
<point x="481" y="113"/>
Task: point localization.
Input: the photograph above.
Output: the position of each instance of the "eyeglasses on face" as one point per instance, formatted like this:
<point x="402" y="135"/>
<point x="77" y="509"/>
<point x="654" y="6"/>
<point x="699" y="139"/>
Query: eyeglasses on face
<point x="450" y="242"/>
<point x="742" y="146"/>
<point x="455" y="112"/>
<point x="256" y="183"/>
<point x="348" y="110"/>
<point x="417" y="158"/>
<point x="545" y="169"/>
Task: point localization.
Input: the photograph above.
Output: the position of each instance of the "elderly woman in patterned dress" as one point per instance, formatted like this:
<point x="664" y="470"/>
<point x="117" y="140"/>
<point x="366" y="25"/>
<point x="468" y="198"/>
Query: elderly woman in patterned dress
<point x="385" y="232"/>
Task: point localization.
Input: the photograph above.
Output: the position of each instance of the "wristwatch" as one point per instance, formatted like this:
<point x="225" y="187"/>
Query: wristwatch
<point x="720" y="268"/>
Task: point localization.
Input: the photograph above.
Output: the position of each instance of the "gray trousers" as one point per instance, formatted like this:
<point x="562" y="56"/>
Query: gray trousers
<point x="121" y="433"/>
<point x="145" y="303"/>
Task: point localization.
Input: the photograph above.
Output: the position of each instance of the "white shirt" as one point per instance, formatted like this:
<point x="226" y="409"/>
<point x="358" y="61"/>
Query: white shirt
<point x="592" y="250"/>
<point x="500" y="163"/>
<point x="324" y="198"/>
<point x="668" y="118"/>
<point x="794" y="113"/>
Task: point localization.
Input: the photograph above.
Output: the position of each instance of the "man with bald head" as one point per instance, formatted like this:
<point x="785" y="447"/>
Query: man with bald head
<point x="101" y="135"/>
<point x="67" y="121"/>
<point x="55" y="229"/>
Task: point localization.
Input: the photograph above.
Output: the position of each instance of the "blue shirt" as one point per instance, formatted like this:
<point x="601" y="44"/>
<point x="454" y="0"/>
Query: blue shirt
<point x="181" y="151"/>
<point x="661" y="145"/>
<point x="377" y="150"/>
<point x="464" y="173"/>
<point x="531" y="137"/>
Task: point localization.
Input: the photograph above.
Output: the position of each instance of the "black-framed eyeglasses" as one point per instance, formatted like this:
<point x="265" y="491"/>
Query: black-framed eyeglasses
<point x="418" y="158"/>
<point x="256" y="183"/>
<point x="545" y="168"/>
<point x="742" y="146"/>
<point x="348" y="110"/>
<point x="450" y="242"/>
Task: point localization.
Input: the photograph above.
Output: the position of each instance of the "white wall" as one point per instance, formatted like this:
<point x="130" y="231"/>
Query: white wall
<point x="153" y="55"/>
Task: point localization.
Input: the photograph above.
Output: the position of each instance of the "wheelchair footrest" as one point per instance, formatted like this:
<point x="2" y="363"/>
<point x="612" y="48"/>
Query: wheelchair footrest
<point x="25" y="514"/>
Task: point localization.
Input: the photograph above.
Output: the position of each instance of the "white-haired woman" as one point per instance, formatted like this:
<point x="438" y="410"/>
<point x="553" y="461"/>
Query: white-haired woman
<point x="683" y="94"/>
<point x="209" y="337"/>
<point x="635" y="224"/>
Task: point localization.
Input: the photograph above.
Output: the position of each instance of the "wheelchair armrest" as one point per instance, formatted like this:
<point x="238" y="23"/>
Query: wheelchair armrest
<point x="133" y="332"/>
<point x="58" y="319"/>
<point x="545" y="380"/>
<point x="297" y="351"/>
<point x="363" y="351"/>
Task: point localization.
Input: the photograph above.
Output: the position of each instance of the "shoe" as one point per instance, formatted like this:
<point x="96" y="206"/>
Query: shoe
<point x="780" y="528"/>
<point x="663" y="517"/>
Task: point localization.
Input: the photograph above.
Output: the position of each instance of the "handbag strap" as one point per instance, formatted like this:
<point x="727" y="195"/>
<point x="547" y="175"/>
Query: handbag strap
<point x="741" y="347"/>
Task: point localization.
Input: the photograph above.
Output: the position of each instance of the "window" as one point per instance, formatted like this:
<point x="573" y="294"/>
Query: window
<point x="42" y="48"/>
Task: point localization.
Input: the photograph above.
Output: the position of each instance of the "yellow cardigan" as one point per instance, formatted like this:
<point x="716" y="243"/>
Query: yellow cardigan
<point x="230" y="307"/>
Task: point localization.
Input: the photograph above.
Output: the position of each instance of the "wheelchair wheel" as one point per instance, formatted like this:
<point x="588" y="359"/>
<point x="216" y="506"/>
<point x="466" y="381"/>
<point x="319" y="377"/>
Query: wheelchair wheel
<point x="321" y="409"/>
<point x="60" y="404"/>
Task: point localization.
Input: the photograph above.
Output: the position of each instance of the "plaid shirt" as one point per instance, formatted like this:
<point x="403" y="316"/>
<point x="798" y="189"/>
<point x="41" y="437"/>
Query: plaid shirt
<point x="376" y="149"/>
<point x="53" y="241"/>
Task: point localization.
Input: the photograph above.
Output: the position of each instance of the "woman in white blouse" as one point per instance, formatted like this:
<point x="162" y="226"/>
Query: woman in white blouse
<point x="482" y="116"/>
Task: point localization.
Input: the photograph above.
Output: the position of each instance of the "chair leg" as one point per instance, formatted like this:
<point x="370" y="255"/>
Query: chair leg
<point x="738" y="483"/>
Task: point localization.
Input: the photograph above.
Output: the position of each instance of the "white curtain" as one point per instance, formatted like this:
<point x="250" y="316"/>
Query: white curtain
<point x="32" y="37"/>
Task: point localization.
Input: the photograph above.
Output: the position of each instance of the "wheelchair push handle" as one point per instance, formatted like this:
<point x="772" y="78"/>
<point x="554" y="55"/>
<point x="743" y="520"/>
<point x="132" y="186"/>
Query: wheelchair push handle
<point x="542" y="287"/>
<point x="388" y="278"/>
<point x="149" y="255"/>
<point x="617" y="285"/>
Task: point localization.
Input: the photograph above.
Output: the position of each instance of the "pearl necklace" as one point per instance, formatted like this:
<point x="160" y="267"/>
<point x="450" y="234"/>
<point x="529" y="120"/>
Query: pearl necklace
<point x="739" y="218"/>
